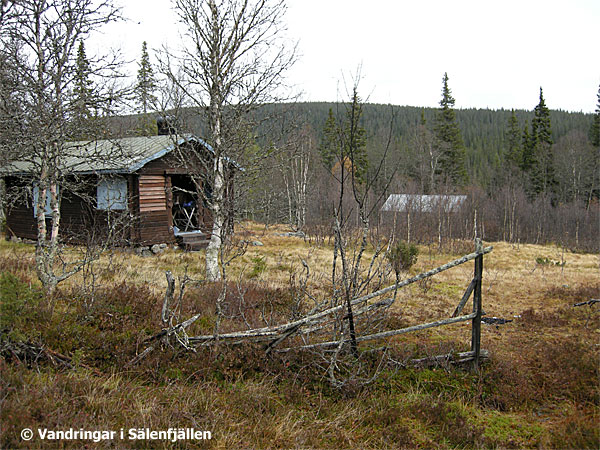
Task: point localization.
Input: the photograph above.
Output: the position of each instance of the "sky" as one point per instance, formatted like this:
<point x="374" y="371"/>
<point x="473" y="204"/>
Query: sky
<point x="497" y="53"/>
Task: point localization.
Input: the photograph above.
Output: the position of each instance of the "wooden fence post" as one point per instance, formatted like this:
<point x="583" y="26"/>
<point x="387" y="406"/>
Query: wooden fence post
<point x="476" y="327"/>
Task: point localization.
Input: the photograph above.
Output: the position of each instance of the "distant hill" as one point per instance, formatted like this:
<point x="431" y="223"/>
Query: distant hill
<point x="483" y="130"/>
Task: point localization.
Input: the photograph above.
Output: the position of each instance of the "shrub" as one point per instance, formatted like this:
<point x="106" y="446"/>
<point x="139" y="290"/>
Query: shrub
<point x="18" y="303"/>
<point x="403" y="256"/>
<point x="259" y="267"/>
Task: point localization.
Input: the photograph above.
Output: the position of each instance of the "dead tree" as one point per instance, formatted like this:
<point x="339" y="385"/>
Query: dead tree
<point x="344" y="143"/>
<point x="295" y="168"/>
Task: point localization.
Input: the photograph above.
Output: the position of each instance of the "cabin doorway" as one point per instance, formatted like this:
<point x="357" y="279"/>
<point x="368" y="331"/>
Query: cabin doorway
<point x="189" y="210"/>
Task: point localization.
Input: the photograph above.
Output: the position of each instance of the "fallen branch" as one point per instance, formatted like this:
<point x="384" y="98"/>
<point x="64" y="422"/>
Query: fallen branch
<point x="314" y="320"/>
<point x="452" y="358"/>
<point x="589" y="302"/>
<point x="275" y="331"/>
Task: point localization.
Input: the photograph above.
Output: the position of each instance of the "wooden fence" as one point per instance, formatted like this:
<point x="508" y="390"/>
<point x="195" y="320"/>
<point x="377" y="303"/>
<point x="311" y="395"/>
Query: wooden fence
<point x="318" y="320"/>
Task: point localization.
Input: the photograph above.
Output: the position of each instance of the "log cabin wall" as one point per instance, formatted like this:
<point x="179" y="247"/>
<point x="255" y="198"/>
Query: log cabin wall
<point x="80" y="221"/>
<point x="150" y="203"/>
<point x="156" y="225"/>
<point x="20" y="221"/>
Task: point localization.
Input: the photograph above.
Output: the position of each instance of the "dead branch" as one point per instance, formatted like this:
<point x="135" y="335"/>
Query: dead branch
<point x="168" y="297"/>
<point x="451" y="358"/>
<point x="589" y="302"/>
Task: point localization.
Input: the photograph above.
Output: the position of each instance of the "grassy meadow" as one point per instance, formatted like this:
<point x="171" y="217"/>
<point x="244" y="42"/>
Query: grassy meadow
<point x="64" y="359"/>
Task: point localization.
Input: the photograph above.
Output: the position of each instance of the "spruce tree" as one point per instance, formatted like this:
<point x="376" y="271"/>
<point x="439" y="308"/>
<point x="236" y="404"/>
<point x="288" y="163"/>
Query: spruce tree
<point x="514" y="153"/>
<point x="355" y="139"/>
<point x="82" y="95"/>
<point x="527" y="150"/>
<point x="447" y="131"/>
<point x="144" y="93"/>
<point x="330" y="141"/>
<point x="345" y="143"/>
<point x="542" y="168"/>
<point x="595" y="129"/>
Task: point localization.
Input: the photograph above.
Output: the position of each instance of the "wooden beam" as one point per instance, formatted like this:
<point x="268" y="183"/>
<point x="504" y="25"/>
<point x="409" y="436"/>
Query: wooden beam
<point x="386" y="334"/>
<point x="476" y="327"/>
<point x="464" y="299"/>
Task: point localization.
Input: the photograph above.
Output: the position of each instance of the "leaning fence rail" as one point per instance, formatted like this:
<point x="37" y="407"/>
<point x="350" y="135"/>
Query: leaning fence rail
<point x="274" y="335"/>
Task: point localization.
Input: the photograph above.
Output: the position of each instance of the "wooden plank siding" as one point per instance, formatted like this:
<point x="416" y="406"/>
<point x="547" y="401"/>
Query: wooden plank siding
<point x="20" y="222"/>
<point x="152" y="194"/>
<point x="80" y="221"/>
<point x="154" y="224"/>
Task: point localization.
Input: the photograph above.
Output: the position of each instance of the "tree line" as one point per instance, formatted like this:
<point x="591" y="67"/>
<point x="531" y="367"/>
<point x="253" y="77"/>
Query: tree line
<point x="532" y="176"/>
<point x="223" y="88"/>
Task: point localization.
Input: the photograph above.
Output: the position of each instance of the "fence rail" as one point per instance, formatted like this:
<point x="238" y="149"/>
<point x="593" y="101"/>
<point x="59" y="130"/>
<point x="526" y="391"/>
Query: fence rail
<point x="274" y="335"/>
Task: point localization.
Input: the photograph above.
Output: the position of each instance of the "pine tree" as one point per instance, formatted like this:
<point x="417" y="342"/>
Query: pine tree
<point x="595" y="129"/>
<point x="542" y="168"/>
<point x="144" y="92"/>
<point x="447" y="131"/>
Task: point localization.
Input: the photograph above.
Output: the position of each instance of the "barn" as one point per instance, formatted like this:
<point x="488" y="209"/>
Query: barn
<point x="146" y="179"/>
<point x="423" y="203"/>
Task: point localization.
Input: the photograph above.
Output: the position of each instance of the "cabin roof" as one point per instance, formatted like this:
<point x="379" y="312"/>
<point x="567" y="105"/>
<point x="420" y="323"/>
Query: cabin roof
<point x="122" y="155"/>
<point x="422" y="203"/>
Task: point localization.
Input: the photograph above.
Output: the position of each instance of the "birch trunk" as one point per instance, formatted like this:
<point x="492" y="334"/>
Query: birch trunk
<point x="215" y="242"/>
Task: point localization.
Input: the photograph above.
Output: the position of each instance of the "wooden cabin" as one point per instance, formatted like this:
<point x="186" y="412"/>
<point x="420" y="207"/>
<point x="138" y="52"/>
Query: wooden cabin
<point x="147" y="180"/>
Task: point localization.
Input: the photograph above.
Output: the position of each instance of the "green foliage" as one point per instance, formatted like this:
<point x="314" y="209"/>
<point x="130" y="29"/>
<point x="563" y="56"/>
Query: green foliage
<point x="146" y="83"/>
<point x="514" y="152"/>
<point x="83" y="94"/>
<point x="19" y="308"/>
<point x="545" y="261"/>
<point x="541" y="171"/>
<point x="527" y="159"/>
<point x="345" y="143"/>
<point x="595" y="128"/>
<point x="446" y="128"/>
<point x="329" y="142"/>
<point x="403" y="256"/>
<point x="147" y="126"/>
<point x="260" y="265"/>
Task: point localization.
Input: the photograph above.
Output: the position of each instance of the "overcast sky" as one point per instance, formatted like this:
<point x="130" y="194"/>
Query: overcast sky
<point x="497" y="54"/>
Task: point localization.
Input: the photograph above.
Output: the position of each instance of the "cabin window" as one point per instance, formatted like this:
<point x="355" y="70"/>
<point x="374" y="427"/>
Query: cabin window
<point x="48" y="208"/>
<point x="112" y="194"/>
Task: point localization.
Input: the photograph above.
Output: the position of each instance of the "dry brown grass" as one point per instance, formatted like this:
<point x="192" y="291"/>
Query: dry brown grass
<point x="540" y="388"/>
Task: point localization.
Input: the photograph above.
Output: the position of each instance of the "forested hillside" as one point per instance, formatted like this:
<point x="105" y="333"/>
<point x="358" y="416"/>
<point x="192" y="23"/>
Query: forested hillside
<point x="531" y="175"/>
<point x="484" y="130"/>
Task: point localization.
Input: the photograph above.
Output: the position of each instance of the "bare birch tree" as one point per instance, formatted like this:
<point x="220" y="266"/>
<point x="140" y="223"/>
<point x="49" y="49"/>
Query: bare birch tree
<point x="295" y="170"/>
<point x="40" y="40"/>
<point x="233" y="60"/>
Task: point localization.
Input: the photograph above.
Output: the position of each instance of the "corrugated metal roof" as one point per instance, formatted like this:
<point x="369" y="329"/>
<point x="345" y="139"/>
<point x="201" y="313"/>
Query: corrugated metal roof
<point x="422" y="203"/>
<point x="124" y="155"/>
